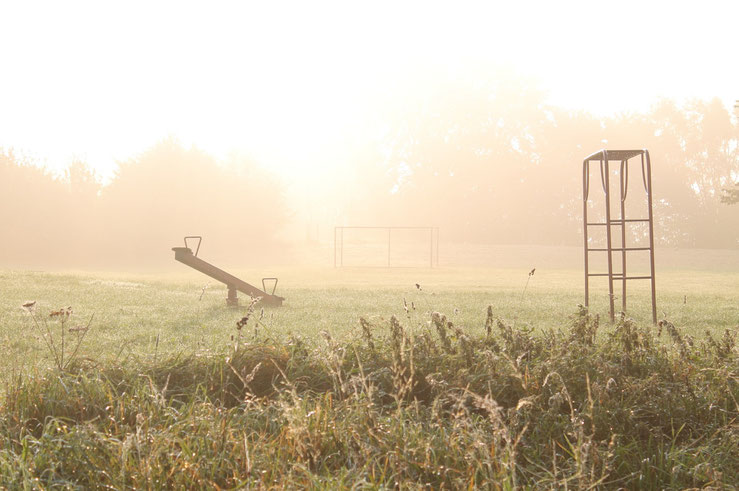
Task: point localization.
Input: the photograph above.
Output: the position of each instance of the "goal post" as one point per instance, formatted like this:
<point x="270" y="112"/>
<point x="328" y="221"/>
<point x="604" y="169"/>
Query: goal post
<point x="389" y="247"/>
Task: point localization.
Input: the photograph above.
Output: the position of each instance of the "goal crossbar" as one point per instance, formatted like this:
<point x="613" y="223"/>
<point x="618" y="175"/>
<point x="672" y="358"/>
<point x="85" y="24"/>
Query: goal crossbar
<point x="433" y="243"/>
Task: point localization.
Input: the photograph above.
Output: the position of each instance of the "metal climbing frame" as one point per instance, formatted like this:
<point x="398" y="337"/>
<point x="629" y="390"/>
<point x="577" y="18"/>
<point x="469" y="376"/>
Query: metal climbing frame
<point x="604" y="158"/>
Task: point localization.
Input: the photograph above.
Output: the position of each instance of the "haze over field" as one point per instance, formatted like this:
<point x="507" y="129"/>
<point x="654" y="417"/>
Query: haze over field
<point x="263" y="125"/>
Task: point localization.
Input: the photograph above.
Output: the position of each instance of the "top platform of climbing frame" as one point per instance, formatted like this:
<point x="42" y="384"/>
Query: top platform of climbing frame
<point x="614" y="154"/>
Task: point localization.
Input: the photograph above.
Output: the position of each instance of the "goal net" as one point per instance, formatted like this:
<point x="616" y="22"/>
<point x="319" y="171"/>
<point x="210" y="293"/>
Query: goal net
<point x="388" y="247"/>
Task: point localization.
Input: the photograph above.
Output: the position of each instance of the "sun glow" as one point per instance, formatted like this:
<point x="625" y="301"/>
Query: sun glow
<point x="286" y="83"/>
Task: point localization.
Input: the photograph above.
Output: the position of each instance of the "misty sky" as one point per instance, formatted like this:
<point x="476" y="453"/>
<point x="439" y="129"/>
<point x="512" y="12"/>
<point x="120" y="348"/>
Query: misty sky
<point x="282" y="81"/>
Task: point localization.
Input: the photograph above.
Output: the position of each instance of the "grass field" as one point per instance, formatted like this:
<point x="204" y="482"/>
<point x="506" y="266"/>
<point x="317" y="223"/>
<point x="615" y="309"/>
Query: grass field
<point x="166" y="391"/>
<point x="132" y="312"/>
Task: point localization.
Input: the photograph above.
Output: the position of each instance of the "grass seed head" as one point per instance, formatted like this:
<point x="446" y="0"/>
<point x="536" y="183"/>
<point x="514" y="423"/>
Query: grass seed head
<point x="29" y="305"/>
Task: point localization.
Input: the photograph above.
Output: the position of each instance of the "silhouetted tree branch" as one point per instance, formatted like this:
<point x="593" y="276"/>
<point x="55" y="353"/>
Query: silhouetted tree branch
<point x="731" y="196"/>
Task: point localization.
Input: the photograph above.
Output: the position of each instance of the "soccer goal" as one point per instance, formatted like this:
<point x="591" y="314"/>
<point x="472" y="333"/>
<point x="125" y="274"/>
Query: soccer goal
<point x="386" y="247"/>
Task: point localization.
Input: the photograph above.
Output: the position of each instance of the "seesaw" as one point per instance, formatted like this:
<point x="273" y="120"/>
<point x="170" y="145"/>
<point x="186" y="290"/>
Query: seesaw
<point x="234" y="284"/>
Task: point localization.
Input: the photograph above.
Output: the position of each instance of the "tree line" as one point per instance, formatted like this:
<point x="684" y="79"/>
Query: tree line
<point x="487" y="162"/>
<point x="154" y="200"/>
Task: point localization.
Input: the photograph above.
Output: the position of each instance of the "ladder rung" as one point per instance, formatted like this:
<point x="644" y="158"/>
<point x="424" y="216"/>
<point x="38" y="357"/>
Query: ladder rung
<point x="620" y="222"/>
<point x="619" y="276"/>
<point x="620" y="249"/>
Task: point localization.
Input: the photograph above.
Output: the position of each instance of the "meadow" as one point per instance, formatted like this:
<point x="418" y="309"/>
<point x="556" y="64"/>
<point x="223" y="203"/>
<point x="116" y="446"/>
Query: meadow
<point x="449" y="377"/>
<point x="132" y="312"/>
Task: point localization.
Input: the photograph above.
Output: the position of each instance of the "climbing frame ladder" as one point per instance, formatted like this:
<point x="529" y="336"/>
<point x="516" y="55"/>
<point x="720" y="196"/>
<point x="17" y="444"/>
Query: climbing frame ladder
<point x="604" y="158"/>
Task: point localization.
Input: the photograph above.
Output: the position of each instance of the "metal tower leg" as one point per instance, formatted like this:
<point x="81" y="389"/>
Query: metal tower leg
<point x="606" y="175"/>
<point x="651" y="233"/>
<point x="624" y="187"/>
<point x="585" y="192"/>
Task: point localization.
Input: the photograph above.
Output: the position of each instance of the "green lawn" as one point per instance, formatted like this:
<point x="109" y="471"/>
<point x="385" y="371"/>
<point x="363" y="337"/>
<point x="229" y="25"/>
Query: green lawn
<point x="140" y="315"/>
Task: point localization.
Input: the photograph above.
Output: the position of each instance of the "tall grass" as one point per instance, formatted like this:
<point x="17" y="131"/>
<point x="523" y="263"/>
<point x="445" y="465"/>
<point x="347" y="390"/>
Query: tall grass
<point x="407" y="402"/>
